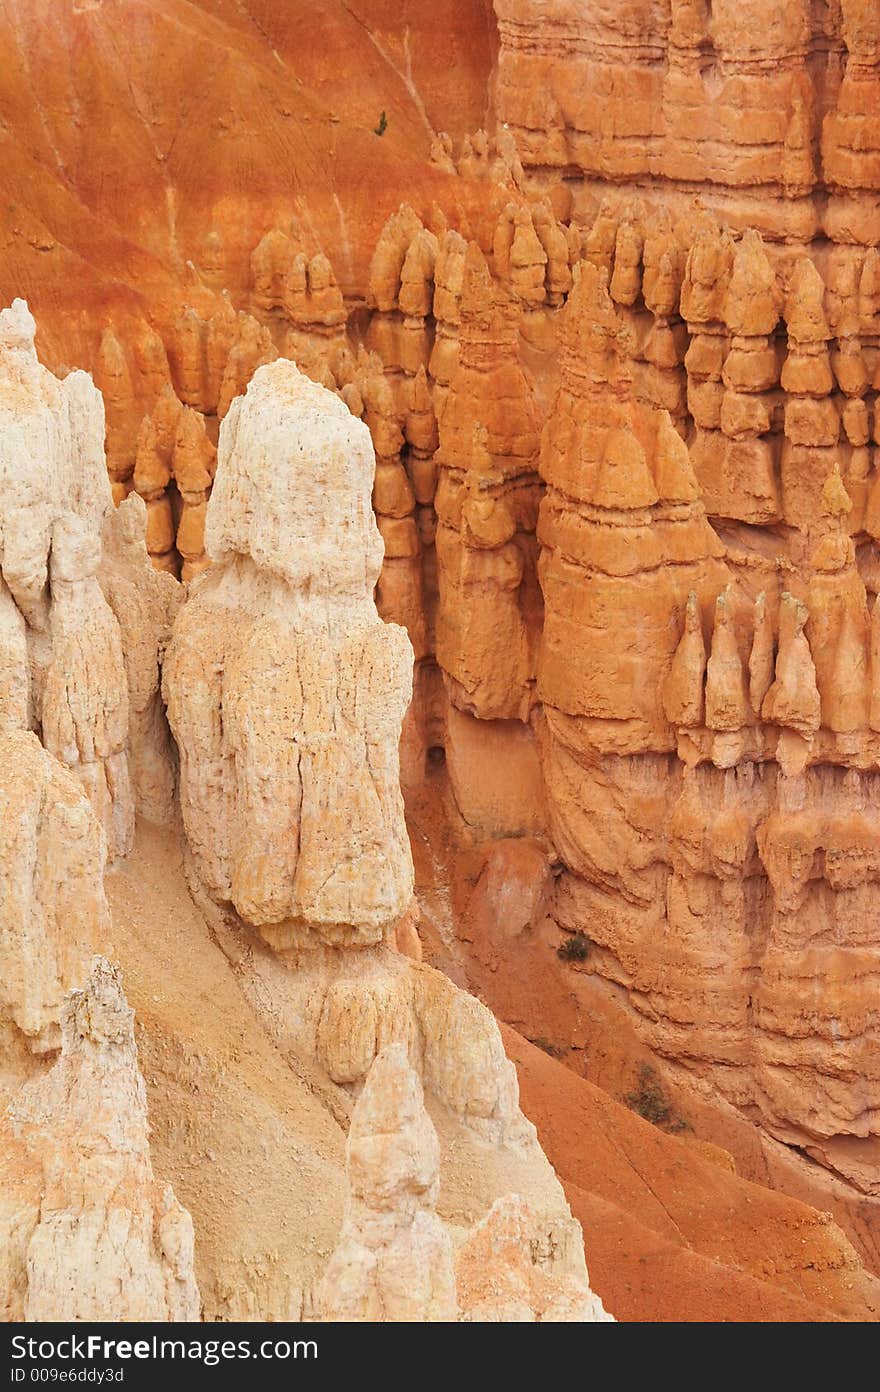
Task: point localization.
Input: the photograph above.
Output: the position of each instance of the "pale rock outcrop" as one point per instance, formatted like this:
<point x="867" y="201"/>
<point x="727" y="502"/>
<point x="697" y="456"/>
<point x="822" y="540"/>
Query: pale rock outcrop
<point x="86" y="1230"/>
<point x="285" y="691"/>
<point x="53" y="913"/>
<point x="394" y="1258"/>
<point x="55" y="496"/>
<point x="397" y="1261"/>
<point x="343" y="1007"/>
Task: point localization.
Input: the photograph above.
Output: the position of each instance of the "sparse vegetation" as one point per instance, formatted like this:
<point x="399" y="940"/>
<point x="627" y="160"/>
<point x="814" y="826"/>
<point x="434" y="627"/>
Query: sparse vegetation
<point x="576" y="948"/>
<point x="382" y="126"/>
<point x="650" y="1101"/>
<point x="547" y="1047"/>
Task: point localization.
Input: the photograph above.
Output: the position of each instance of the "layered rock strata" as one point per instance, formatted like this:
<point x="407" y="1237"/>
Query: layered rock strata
<point x="758" y="683"/>
<point x="771" y="116"/>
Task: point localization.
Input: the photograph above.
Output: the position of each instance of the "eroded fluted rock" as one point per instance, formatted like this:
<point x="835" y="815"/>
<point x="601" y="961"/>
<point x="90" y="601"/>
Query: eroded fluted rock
<point x="53" y="913"/>
<point x="395" y="1259"/>
<point x="621" y="525"/>
<point x="54" y="497"/>
<point x="286" y="694"/>
<point x="87" y="1232"/>
<point x="694" y="94"/>
<point x="487" y="501"/>
<point x="285" y="691"/>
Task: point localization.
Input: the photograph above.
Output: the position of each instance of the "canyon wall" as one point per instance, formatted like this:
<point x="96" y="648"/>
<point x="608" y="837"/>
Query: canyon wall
<point x="650" y="424"/>
<point x="715" y="830"/>
<point x="771" y="115"/>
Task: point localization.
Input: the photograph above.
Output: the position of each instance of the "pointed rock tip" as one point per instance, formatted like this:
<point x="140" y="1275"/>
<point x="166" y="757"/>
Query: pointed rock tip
<point x="17" y="326"/>
<point x="98" y="1011"/>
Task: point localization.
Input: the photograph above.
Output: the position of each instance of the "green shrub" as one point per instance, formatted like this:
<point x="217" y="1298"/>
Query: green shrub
<point x="575" y="948"/>
<point x="650" y="1101"/>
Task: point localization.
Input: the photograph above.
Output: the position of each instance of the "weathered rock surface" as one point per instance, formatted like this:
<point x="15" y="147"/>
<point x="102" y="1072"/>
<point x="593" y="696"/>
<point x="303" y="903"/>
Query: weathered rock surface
<point x="145" y="602"/>
<point x="395" y="1259"/>
<point x="626" y="488"/>
<point x="770" y="115"/>
<point x="53" y="913"/>
<point x="86" y="1232"/>
<point x="285" y="690"/>
<point x="61" y="654"/>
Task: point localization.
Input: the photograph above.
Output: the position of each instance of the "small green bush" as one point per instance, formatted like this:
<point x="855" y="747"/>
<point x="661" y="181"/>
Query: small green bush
<point x="650" y="1101"/>
<point x="575" y="948"/>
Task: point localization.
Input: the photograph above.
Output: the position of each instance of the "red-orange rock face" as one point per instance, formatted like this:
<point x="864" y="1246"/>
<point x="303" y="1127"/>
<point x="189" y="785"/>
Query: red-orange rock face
<point x="149" y="147"/>
<point x="761" y="108"/>
<point x="724" y="883"/>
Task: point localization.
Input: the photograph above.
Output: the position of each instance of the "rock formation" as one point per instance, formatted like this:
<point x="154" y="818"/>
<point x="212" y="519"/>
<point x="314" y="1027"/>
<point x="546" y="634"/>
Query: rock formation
<point x="486" y="508"/>
<point x="395" y="1258"/>
<point x="764" y="114"/>
<point x="621" y="522"/>
<point x="63" y="661"/>
<point x="86" y="1232"/>
<point x="585" y="409"/>
<point x="53" y="913"/>
<point x="756" y="693"/>
<point x="285" y="691"/>
<point x="502" y="1278"/>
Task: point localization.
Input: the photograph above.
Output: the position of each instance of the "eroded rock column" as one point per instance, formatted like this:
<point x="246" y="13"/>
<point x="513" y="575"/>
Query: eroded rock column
<point x="285" y="691"/>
